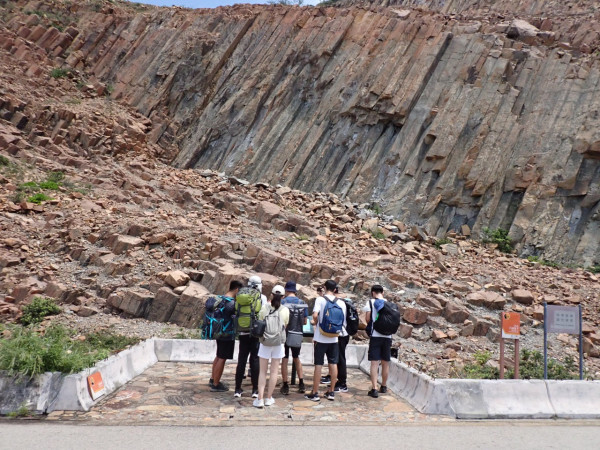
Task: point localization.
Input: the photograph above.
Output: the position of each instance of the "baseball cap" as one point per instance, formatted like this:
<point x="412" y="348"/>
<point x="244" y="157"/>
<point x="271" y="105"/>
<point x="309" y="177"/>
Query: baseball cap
<point x="290" y="286"/>
<point x="278" y="290"/>
<point x="255" y="282"/>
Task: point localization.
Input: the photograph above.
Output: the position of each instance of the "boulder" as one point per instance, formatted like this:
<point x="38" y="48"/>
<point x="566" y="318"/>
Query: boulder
<point x="455" y="313"/>
<point x="415" y="316"/>
<point x="523" y="296"/>
<point x="188" y="311"/>
<point x="404" y="331"/>
<point x="163" y="305"/>
<point x="482" y="327"/>
<point x="123" y="243"/>
<point x="432" y="305"/>
<point x="175" y="278"/>
<point x="438" y="335"/>
<point x="488" y="299"/>
<point x="132" y="301"/>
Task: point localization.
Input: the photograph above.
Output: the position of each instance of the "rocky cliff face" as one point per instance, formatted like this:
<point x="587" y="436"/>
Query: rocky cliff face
<point x="443" y="119"/>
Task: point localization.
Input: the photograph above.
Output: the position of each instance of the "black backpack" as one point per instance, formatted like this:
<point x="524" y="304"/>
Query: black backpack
<point x="388" y="318"/>
<point x="351" y="318"/>
<point x="218" y="319"/>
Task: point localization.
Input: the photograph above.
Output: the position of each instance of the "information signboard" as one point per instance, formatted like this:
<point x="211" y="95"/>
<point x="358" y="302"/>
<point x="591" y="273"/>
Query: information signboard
<point x="511" y="325"/>
<point x="563" y="319"/>
<point x="96" y="385"/>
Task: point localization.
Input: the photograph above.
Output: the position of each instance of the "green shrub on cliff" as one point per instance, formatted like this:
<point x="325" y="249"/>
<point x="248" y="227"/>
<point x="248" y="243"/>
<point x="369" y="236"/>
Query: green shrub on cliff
<point x="498" y="237"/>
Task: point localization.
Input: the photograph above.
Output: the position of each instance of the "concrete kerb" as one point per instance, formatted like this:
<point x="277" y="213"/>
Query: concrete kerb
<point x="574" y="399"/>
<point x="463" y="399"/>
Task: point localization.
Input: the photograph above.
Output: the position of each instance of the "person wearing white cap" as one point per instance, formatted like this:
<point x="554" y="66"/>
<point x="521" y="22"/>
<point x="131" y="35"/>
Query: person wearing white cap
<point x="248" y="349"/>
<point x="256" y="283"/>
<point x="276" y="317"/>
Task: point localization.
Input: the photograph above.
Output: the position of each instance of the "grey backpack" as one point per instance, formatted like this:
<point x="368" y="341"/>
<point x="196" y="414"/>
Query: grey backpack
<point x="274" y="331"/>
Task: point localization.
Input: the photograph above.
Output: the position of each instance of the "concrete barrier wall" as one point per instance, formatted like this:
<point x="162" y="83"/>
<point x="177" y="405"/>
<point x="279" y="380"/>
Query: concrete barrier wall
<point x="116" y="371"/>
<point x="574" y="399"/>
<point x="35" y="393"/>
<point x="463" y="399"/>
<point x="499" y="399"/>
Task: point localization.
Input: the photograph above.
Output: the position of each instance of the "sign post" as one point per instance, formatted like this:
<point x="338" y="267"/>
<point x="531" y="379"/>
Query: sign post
<point x="563" y="319"/>
<point x="511" y="329"/>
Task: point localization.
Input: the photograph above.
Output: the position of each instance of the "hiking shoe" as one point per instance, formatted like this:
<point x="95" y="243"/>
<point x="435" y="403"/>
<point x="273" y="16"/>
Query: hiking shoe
<point x="238" y="393"/>
<point x="269" y="401"/>
<point x="254" y="394"/>
<point x="219" y="387"/>
<point x="373" y="393"/>
<point x="285" y="389"/>
<point x="301" y="388"/>
<point x="258" y="403"/>
<point x="340" y="388"/>
<point x="329" y="395"/>
<point x="326" y="380"/>
<point x="383" y="390"/>
<point x="312" y="397"/>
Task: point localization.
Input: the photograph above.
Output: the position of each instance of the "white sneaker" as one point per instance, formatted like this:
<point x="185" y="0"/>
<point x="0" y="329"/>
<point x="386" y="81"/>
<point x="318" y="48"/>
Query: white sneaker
<point x="258" y="403"/>
<point x="254" y="394"/>
<point x="269" y="401"/>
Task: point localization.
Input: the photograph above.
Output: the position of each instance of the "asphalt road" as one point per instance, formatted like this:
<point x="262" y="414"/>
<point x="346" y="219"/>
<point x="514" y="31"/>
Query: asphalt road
<point x="458" y="435"/>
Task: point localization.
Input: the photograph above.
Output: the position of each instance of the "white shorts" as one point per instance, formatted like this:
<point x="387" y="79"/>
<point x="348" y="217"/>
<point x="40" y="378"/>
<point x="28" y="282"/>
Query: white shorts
<point x="275" y="352"/>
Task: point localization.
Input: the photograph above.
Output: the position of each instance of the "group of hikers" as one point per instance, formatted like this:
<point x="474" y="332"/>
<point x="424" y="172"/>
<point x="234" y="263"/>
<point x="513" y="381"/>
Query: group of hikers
<point x="268" y="329"/>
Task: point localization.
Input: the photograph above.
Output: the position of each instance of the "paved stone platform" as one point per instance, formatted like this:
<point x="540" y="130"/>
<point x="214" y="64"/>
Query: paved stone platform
<point x="177" y="394"/>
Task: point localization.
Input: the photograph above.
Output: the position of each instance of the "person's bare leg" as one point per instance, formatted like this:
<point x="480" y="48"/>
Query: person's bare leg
<point x="214" y="363"/>
<point x="284" y="369"/>
<point x="218" y="370"/>
<point x="385" y="370"/>
<point x="374" y="373"/>
<point x="333" y="374"/>
<point x="298" y="368"/>
<point x="317" y="379"/>
<point x="262" y="377"/>
<point x="273" y="374"/>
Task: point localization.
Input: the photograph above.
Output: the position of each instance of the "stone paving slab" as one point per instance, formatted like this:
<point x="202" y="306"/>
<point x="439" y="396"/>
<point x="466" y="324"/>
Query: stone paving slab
<point x="177" y="394"/>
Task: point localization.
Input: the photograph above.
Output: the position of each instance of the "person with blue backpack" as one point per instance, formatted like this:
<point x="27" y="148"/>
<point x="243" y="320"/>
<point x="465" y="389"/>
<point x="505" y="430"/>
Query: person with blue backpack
<point x="225" y="341"/>
<point x="329" y="318"/>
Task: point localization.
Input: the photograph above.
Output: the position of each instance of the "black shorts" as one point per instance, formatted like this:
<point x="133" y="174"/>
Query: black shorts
<point x="225" y="349"/>
<point x="380" y="349"/>
<point x="295" y="351"/>
<point x="331" y="350"/>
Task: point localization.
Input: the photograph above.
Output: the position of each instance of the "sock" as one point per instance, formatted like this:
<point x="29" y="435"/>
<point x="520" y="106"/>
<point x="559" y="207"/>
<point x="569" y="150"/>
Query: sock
<point x="301" y="380"/>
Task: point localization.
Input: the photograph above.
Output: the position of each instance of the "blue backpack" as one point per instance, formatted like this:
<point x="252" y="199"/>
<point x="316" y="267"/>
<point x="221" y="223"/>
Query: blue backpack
<point x="333" y="319"/>
<point x="218" y="322"/>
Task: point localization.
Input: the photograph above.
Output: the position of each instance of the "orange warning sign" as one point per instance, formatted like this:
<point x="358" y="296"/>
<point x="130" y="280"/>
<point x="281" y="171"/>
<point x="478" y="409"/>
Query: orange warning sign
<point x="511" y="325"/>
<point x="96" y="385"/>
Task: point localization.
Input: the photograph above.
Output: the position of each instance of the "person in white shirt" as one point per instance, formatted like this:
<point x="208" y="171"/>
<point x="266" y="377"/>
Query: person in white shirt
<point x="323" y="344"/>
<point x="379" y="345"/>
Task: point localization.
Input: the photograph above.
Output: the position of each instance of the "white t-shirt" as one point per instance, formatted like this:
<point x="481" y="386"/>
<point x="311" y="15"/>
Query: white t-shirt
<point x="319" y="307"/>
<point x="367" y="308"/>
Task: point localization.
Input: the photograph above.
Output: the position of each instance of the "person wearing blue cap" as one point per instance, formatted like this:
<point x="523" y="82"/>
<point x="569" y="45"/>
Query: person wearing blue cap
<point x="293" y="303"/>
